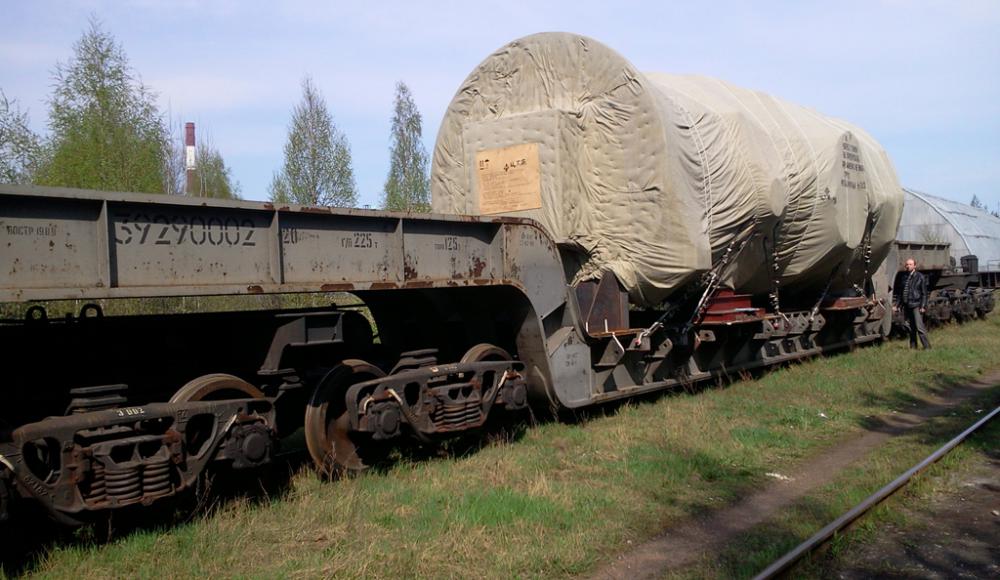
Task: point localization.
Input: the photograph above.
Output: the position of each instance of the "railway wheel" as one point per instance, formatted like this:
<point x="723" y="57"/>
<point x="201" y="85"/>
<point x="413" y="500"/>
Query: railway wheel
<point x="485" y="352"/>
<point x="334" y="449"/>
<point x="515" y="398"/>
<point x="216" y="387"/>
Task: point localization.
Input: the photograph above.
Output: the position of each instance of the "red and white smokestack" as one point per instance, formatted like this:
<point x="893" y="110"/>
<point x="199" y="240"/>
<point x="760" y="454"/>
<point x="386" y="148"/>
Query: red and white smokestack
<point x="189" y="165"/>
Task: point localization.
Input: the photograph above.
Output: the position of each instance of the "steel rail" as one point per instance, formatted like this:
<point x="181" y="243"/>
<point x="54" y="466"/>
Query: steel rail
<point x="785" y="562"/>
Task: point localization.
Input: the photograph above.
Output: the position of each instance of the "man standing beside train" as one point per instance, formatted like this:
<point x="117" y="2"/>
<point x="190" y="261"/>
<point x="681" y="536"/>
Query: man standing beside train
<point x="911" y="296"/>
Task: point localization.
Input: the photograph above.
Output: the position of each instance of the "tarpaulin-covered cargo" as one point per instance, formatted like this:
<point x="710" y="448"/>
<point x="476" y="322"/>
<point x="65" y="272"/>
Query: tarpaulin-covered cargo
<point x="657" y="178"/>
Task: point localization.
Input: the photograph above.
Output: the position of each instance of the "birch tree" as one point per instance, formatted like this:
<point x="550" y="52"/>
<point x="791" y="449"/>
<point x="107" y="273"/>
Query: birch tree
<point x="317" y="163"/>
<point x="407" y="187"/>
<point x="20" y="148"/>
<point x="106" y="130"/>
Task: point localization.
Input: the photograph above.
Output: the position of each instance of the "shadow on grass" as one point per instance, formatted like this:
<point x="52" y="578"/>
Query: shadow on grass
<point x="30" y="533"/>
<point x="865" y="548"/>
<point x="751" y="552"/>
<point x="914" y="410"/>
<point x="500" y="428"/>
<point x="918" y="545"/>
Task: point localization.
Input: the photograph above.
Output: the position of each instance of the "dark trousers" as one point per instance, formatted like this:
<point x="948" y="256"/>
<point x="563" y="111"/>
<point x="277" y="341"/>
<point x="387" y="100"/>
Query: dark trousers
<point x="916" y="323"/>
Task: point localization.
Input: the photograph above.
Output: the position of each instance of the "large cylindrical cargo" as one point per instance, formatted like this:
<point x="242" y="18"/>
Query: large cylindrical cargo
<point x="660" y="178"/>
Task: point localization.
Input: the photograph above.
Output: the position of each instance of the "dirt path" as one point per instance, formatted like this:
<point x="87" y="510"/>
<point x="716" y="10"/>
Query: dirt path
<point x="689" y="541"/>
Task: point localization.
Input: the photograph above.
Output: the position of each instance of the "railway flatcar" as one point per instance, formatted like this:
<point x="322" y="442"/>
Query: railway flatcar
<point x="599" y="233"/>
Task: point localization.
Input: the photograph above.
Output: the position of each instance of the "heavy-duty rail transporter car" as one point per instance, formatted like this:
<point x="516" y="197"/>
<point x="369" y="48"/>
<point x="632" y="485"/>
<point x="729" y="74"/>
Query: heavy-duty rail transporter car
<point x="473" y="316"/>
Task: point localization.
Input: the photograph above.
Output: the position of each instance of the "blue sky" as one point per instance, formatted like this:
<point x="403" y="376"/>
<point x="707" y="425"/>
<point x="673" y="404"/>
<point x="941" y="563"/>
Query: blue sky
<point x="922" y="76"/>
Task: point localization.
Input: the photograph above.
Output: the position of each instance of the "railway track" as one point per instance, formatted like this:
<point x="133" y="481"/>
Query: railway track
<point x="817" y="540"/>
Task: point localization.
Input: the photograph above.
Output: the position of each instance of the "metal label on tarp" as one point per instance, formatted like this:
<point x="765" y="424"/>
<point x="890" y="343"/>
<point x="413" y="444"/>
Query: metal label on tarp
<point x="509" y="179"/>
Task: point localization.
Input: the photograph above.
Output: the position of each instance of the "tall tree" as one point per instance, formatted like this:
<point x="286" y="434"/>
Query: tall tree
<point x="317" y="168"/>
<point x="107" y="132"/>
<point x="20" y="149"/>
<point x="407" y="188"/>
<point x="214" y="177"/>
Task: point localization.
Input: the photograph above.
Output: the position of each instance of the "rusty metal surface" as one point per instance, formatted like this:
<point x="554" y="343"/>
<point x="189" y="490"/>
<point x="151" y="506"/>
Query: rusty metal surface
<point x="357" y="408"/>
<point x="603" y="304"/>
<point x="531" y="257"/>
<point x="929" y="256"/>
<point x="67" y="244"/>
<point x="845" y="303"/>
<point x="117" y="457"/>
<point x="727" y="307"/>
<point x="61" y="243"/>
<point x="437" y="399"/>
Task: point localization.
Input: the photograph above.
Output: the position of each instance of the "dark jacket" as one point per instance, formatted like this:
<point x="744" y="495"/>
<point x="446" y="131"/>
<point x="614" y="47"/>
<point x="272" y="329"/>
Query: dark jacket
<point x="916" y="291"/>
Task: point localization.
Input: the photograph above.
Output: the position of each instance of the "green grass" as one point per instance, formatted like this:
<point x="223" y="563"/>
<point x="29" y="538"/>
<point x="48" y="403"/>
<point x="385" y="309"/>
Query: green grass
<point x="752" y="552"/>
<point x="761" y="546"/>
<point x="557" y="499"/>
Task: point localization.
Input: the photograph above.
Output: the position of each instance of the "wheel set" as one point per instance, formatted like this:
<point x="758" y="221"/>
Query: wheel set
<point x="356" y="409"/>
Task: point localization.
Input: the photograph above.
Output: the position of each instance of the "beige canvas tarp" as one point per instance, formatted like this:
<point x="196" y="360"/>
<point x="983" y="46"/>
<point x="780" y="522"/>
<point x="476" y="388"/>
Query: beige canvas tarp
<point x="656" y="177"/>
